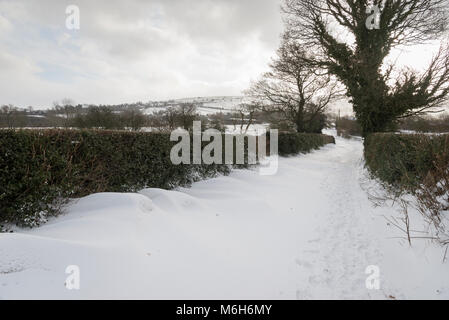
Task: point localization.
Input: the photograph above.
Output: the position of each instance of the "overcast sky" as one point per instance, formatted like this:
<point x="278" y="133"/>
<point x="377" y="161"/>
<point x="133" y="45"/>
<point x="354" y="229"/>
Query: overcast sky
<point x="133" y="50"/>
<point x="140" y="50"/>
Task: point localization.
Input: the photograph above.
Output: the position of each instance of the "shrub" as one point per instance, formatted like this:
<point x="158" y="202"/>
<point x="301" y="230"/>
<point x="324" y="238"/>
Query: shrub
<point x="426" y="123"/>
<point x="38" y="168"/>
<point x="347" y="127"/>
<point x="417" y="165"/>
<point x="98" y="117"/>
<point x="403" y="160"/>
<point x="294" y="143"/>
<point x="41" y="169"/>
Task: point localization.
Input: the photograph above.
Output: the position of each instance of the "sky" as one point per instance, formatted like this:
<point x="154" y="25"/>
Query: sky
<point x="133" y="50"/>
<point x="141" y="50"/>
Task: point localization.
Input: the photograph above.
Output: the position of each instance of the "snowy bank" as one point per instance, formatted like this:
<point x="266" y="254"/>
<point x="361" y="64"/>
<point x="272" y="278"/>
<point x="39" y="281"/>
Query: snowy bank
<point x="308" y="232"/>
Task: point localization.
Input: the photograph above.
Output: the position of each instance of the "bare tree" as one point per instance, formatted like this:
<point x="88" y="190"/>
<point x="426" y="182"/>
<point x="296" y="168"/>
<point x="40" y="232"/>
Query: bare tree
<point x="11" y="117"/>
<point x="133" y="119"/>
<point x="173" y="117"/>
<point x="357" y="59"/>
<point x="186" y="114"/>
<point x="216" y="121"/>
<point x="169" y="118"/>
<point x="66" y="108"/>
<point x="295" y="89"/>
<point x="98" y="117"/>
<point x="245" y="113"/>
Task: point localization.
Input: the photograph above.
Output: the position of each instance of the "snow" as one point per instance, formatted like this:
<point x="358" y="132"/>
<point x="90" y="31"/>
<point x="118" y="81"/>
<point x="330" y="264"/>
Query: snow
<point x="226" y="104"/>
<point x="253" y="129"/>
<point x="205" y="105"/>
<point x="308" y="232"/>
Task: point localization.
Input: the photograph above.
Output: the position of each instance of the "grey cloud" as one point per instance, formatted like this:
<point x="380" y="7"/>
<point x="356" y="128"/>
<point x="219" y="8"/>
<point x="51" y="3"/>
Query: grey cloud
<point x="139" y="49"/>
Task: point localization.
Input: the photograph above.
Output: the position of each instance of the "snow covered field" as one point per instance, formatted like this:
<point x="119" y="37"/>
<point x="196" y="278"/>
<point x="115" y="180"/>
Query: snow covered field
<point x="225" y="104"/>
<point x="308" y="232"/>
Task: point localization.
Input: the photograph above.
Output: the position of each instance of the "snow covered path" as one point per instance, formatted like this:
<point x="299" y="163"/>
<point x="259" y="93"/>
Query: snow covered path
<point x="308" y="232"/>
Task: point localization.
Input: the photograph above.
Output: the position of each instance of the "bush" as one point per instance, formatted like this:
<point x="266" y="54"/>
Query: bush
<point x="426" y="123"/>
<point x="417" y="165"/>
<point x="98" y="117"/>
<point x="38" y="168"/>
<point x="347" y="127"/>
<point x="316" y="122"/>
<point x="403" y="160"/>
<point x="41" y="169"/>
<point x="294" y="143"/>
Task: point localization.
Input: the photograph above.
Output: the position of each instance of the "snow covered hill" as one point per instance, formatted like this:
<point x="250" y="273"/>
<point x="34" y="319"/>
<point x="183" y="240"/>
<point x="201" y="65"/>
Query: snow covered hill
<point x="308" y="232"/>
<point x="205" y="105"/>
<point x="211" y="105"/>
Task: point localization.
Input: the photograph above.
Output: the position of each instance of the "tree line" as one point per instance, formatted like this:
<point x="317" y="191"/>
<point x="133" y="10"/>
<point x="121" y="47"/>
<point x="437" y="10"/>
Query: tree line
<point x="66" y="114"/>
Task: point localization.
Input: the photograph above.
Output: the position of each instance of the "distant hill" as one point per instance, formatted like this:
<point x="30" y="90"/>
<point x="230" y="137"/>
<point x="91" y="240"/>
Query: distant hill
<point x="205" y="105"/>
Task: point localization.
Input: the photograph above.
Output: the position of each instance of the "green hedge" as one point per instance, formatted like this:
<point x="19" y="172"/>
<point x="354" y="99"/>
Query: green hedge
<point x="404" y="160"/>
<point x="294" y="143"/>
<point x="39" y="169"/>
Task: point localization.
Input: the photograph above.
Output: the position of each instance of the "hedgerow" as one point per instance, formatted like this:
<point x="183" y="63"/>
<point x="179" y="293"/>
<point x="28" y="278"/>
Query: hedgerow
<point x="41" y="169"/>
<point x="403" y="160"/>
<point x="414" y="165"/>
<point x="294" y="143"/>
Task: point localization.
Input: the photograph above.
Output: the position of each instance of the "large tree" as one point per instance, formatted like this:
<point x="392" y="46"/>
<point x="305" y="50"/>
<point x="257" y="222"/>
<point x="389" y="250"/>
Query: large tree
<point x="295" y="91"/>
<point x="353" y="38"/>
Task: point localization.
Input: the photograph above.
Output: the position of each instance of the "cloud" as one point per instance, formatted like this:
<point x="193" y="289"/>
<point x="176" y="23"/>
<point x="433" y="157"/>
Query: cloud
<point x="133" y="50"/>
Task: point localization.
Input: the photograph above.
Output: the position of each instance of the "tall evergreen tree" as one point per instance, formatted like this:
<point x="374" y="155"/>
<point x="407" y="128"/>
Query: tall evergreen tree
<point x="353" y="38"/>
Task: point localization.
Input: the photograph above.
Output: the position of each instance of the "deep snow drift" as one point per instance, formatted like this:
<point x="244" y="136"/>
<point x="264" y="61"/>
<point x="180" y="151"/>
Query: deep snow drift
<point x="308" y="232"/>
